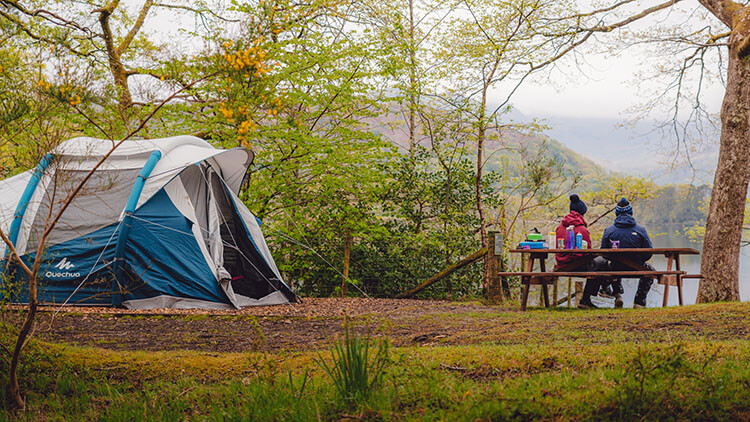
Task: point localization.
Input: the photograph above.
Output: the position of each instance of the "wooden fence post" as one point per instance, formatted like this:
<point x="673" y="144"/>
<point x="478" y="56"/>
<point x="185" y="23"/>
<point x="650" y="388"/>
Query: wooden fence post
<point x="495" y="255"/>
<point x="347" y="255"/>
<point x="554" y="293"/>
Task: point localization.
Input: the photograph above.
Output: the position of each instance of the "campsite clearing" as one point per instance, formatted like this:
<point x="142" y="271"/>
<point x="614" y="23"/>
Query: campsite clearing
<point x="453" y="361"/>
<point x="317" y="322"/>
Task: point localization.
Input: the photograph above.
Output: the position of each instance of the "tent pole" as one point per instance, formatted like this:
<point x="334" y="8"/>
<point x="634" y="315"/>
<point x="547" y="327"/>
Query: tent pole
<point x="122" y="235"/>
<point x="15" y="226"/>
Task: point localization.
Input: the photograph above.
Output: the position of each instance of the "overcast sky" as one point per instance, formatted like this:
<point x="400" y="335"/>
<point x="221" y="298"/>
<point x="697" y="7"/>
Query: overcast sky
<point x="606" y="90"/>
<point x="610" y="84"/>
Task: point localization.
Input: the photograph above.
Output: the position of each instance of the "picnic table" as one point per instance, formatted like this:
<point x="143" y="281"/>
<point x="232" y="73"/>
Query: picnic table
<point x="627" y="257"/>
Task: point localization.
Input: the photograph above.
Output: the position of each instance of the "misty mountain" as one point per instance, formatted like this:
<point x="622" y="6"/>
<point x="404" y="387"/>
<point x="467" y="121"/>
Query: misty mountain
<point x="638" y="149"/>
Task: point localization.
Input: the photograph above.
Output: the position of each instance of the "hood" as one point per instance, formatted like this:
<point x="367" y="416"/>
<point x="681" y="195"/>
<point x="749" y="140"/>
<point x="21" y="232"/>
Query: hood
<point x="624" y="221"/>
<point x="573" y="219"/>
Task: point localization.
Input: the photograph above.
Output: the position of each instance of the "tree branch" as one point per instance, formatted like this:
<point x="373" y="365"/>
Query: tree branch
<point x="125" y="43"/>
<point x="14" y="254"/>
<point x="48" y="16"/>
<point x="724" y="10"/>
<point x="196" y="11"/>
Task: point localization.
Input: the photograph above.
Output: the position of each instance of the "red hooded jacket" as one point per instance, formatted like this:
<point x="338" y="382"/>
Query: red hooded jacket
<point x="576" y="220"/>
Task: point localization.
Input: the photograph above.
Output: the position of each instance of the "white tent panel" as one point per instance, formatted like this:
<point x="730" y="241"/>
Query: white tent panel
<point x="179" y="197"/>
<point x="27" y="229"/>
<point x="177" y="153"/>
<point x="232" y="162"/>
<point x="11" y="190"/>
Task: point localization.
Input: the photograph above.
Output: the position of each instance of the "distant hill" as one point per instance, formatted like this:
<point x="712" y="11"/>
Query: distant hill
<point x="393" y="128"/>
<point x="607" y="150"/>
<point x="637" y="149"/>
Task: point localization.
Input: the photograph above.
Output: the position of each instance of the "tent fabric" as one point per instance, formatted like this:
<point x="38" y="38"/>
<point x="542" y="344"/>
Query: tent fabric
<point x="67" y="263"/>
<point x="91" y="210"/>
<point x="12" y="189"/>
<point x="188" y="242"/>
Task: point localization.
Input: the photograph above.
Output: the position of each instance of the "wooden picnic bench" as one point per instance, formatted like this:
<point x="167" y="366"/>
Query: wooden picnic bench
<point x="623" y="256"/>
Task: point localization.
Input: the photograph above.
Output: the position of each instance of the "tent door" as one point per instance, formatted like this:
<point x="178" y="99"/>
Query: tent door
<point x="250" y="275"/>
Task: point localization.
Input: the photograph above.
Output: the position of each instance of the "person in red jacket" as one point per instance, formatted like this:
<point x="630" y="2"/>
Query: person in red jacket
<point x="574" y="218"/>
<point x="574" y="261"/>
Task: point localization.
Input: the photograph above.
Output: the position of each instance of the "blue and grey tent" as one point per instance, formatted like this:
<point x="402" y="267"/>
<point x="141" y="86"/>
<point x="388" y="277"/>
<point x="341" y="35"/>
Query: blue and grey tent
<point x="158" y="225"/>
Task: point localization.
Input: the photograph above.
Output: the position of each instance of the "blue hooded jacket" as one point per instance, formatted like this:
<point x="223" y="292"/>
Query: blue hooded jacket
<point x="630" y="235"/>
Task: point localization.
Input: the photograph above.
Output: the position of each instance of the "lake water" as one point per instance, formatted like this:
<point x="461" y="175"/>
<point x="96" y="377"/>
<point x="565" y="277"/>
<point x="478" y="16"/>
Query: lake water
<point x="691" y="264"/>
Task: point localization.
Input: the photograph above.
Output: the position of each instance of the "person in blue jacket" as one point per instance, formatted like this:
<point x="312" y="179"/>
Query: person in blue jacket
<point x="629" y="235"/>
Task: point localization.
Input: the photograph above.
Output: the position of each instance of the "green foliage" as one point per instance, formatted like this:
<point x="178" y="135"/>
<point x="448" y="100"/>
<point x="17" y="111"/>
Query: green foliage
<point x="356" y="373"/>
<point x="674" y="207"/>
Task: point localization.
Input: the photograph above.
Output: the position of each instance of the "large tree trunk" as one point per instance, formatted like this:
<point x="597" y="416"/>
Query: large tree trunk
<point x="721" y="246"/>
<point x="114" y="54"/>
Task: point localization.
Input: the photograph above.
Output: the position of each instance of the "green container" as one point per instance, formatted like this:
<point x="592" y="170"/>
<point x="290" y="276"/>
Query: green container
<point x="535" y="237"/>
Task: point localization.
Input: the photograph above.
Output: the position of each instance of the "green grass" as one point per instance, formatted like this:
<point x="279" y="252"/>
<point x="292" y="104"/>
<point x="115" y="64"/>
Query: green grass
<point x="602" y="375"/>
<point x="356" y="373"/>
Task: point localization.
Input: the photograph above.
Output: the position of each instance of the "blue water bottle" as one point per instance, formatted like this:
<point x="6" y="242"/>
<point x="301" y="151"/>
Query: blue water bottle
<point x="579" y="241"/>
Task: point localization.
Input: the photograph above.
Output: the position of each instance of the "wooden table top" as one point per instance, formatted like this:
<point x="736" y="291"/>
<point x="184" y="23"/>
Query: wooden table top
<point x="681" y="251"/>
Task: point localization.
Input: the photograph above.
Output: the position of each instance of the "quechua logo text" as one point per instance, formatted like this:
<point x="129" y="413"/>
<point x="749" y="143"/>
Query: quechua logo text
<point x="64" y="268"/>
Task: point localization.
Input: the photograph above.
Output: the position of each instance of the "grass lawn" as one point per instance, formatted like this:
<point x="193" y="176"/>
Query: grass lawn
<point x="469" y="364"/>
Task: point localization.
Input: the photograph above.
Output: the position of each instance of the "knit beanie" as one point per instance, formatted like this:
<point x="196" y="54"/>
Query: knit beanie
<point x="577" y="205"/>
<point x="623" y="207"/>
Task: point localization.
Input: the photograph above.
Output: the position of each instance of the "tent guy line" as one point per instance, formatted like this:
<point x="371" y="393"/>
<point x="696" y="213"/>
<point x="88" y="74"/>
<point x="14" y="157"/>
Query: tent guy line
<point x="307" y="245"/>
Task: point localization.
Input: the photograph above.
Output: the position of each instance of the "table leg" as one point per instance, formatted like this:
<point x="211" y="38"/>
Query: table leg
<point x="531" y="260"/>
<point x="666" y="288"/>
<point x="570" y="292"/>
<point x="679" y="278"/>
<point x="525" y="284"/>
<point x="667" y="279"/>
<point x="545" y="290"/>
<point x="554" y="293"/>
<point x="541" y="294"/>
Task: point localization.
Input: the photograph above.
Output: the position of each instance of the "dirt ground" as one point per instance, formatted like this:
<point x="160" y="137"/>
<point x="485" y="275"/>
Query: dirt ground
<point x="317" y="322"/>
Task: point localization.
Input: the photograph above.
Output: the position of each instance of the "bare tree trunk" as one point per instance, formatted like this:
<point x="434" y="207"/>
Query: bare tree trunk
<point x="14" y="390"/>
<point x="481" y="133"/>
<point x="480" y="204"/>
<point x="721" y="246"/>
<point x="412" y="83"/>
<point x="446" y="210"/>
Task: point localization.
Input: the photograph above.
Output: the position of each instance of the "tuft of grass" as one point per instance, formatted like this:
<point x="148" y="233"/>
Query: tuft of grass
<point x="354" y="372"/>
